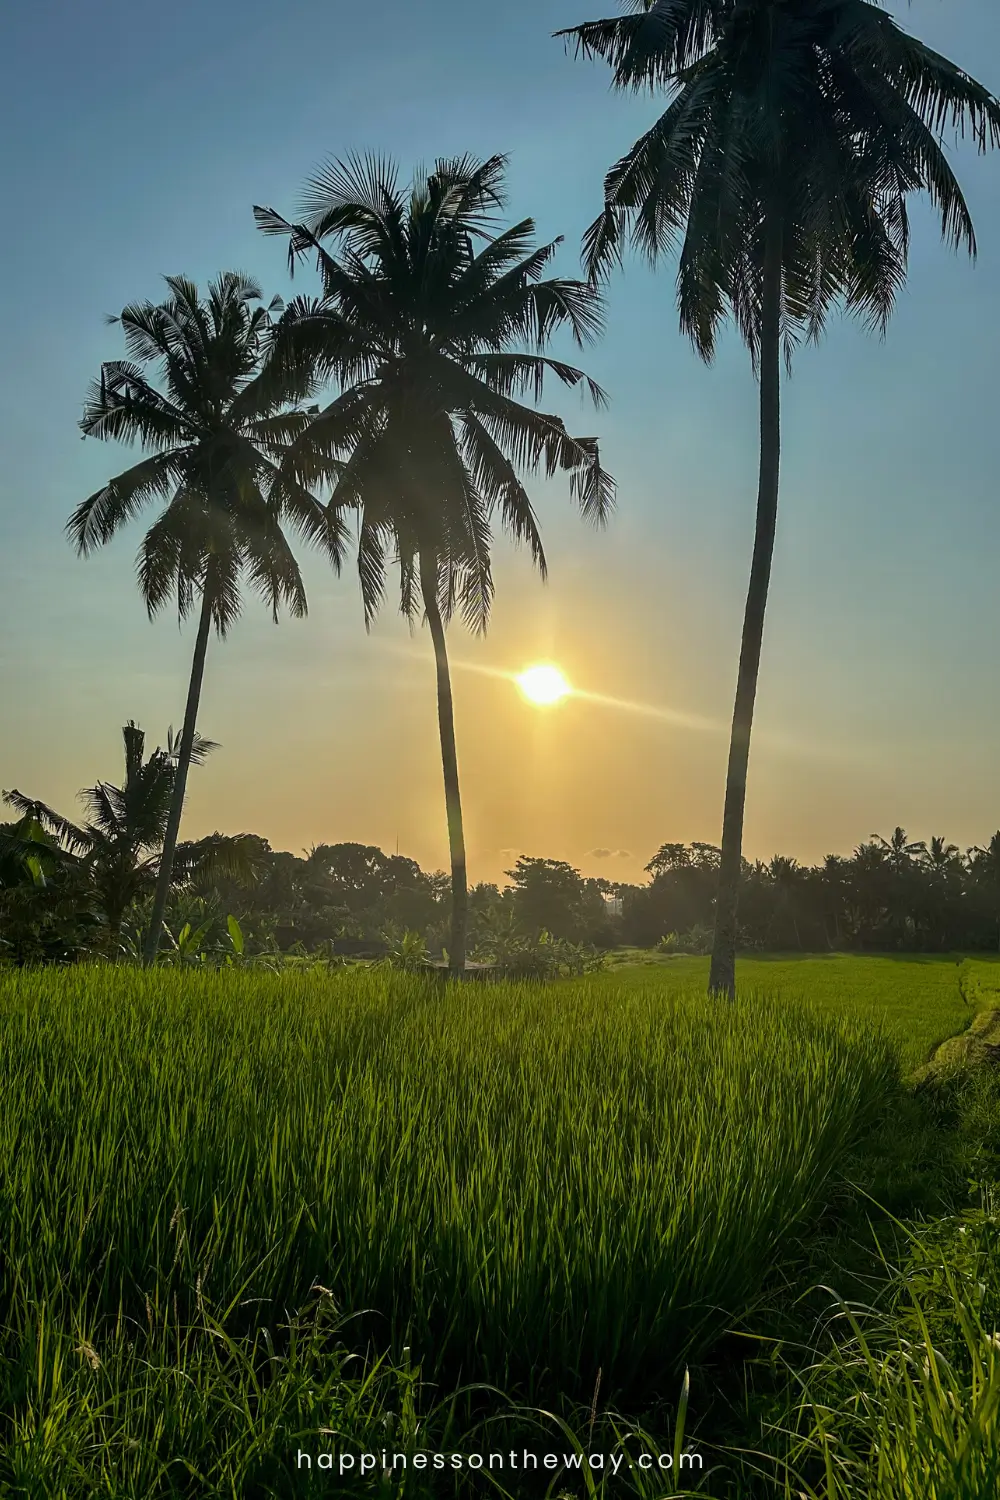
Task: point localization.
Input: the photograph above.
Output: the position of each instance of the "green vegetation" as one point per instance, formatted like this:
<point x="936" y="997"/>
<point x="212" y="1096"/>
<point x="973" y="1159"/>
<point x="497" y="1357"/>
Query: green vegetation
<point x="525" y="1185"/>
<point x="250" y="1213"/>
<point x="509" y="1175"/>
<point x="106" y="866"/>
<point x="63" y="889"/>
<point x="917" y="999"/>
<point x="903" y="1403"/>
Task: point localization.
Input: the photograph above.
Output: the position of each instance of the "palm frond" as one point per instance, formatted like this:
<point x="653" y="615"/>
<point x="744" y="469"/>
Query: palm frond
<point x="96" y="519"/>
<point x="220" y="856"/>
<point x="77" y="840"/>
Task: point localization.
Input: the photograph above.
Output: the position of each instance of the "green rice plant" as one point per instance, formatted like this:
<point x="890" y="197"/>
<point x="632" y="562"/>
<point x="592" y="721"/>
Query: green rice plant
<point x="913" y="996"/>
<point x="523" y="1184"/>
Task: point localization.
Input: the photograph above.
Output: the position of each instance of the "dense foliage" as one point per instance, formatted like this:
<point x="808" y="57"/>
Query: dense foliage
<point x="70" y="891"/>
<point x="891" y="894"/>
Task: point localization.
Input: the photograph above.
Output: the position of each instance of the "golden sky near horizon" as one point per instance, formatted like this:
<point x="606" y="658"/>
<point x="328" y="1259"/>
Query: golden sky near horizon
<point x="328" y="734"/>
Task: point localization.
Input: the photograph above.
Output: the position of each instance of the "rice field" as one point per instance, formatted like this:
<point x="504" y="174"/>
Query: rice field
<point x="520" y="1184"/>
<point x="915" y="998"/>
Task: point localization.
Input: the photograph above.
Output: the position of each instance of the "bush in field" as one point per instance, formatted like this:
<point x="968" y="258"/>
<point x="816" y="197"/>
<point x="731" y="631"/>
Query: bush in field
<point x="528" y="1184"/>
<point x="697" y="940"/>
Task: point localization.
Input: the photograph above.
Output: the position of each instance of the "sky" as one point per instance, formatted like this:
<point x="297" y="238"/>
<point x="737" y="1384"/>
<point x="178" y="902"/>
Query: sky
<point x="139" y="137"/>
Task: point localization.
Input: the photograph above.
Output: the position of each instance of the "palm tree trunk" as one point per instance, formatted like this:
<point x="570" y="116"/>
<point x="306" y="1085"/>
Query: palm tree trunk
<point x="722" y="973"/>
<point x="165" y="871"/>
<point x="449" y="761"/>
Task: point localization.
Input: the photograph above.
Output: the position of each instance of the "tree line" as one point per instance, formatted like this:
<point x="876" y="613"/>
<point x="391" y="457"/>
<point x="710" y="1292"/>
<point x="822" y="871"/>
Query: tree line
<point x="70" y="890"/>
<point x="892" y="894"/>
<point x="396" y="411"/>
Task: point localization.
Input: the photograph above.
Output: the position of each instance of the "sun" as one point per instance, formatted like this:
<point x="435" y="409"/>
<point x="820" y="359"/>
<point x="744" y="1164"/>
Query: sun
<point x="543" y="685"/>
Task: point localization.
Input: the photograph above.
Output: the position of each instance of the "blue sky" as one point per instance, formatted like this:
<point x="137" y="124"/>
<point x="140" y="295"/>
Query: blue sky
<point x="142" y="136"/>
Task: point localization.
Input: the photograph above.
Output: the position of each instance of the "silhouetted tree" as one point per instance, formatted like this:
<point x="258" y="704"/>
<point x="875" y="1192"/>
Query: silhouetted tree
<point x="985" y="867"/>
<point x="795" y="133"/>
<point x="549" y="895"/>
<point x="118" y="851"/>
<point x="425" y="312"/>
<point x="219" y="425"/>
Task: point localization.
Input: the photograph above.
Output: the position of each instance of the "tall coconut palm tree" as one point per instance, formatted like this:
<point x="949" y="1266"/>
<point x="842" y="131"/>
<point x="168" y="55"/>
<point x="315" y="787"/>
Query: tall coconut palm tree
<point x="219" y="426"/>
<point x="433" y="321"/>
<point x="795" y="134"/>
<point x="118" y="850"/>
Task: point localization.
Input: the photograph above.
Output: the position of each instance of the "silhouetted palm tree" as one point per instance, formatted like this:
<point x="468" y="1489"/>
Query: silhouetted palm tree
<point x="898" y="849"/>
<point x="941" y="855"/>
<point x="118" y="850"/>
<point x="796" y="132"/>
<point x="426" y="310"/>
<point x="219" y="430"/>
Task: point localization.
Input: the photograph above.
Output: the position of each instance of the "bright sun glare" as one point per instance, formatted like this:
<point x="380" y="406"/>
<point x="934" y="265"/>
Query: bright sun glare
<point x="543" y="685"/>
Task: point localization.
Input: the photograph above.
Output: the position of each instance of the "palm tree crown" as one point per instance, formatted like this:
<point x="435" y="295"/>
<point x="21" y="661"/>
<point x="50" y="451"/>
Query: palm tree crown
<point x="220" y="430"/>
<point x="822" y="113"/>
<point x="425" y="312"/>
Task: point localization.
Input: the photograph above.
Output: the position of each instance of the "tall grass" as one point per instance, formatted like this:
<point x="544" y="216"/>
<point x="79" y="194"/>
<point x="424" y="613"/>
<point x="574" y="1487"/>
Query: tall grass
<point x="903" y="1403"/>
<point x="525" y="1185"/>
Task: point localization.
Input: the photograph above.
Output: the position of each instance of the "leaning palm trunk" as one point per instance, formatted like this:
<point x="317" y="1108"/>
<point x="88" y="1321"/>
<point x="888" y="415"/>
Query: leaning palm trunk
<point x="165" y="871"/>
<point x="722" y="974"/>
<point x="449" y="761"/>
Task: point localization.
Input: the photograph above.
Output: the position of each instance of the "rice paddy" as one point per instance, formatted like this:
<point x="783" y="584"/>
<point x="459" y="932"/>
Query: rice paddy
<point x="214" y="1186"/>
<point x="916" y="998"/>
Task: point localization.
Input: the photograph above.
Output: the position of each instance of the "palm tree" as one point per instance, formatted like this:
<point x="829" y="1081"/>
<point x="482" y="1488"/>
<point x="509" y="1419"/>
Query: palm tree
<point x="899" y="850"/>
<point x="940" y="855"/>
<point x="119" y="849"/>
<point x="795" y="133"/>
<point x="427" y="306"/>
<point x="219" y="432"/>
